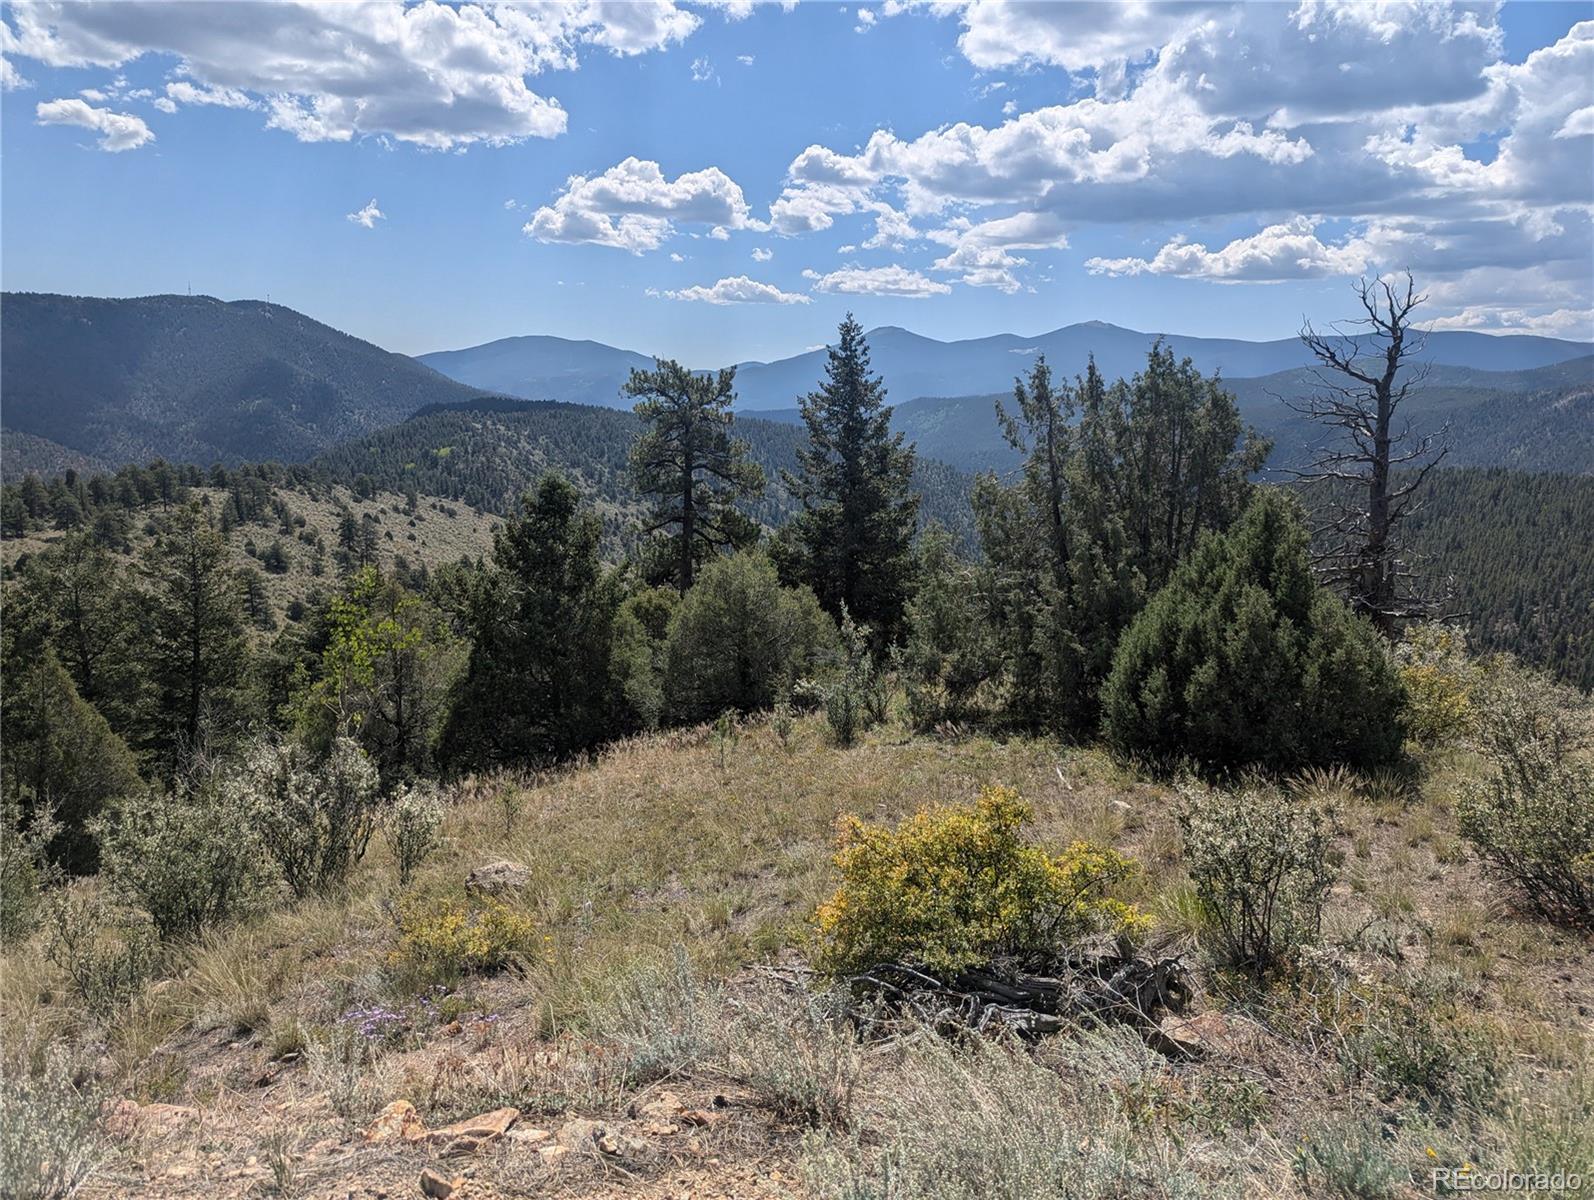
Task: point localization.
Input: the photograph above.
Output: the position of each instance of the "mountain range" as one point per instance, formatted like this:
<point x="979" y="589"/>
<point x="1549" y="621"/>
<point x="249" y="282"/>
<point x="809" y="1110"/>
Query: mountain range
<point x="914" y="366"/>
<point x="87" y="381"/>
<point x="196" y="379"/>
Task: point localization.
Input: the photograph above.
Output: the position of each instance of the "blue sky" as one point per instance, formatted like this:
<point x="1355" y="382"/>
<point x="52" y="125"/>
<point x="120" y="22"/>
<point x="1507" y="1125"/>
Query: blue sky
<point x="721" y="182"/>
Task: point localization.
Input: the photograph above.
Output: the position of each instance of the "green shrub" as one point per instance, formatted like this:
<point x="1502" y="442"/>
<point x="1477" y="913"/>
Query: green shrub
<point x="1532" y="819"/>
<point x="50" y="1139"/>
<point x="23" y="863"/>
<point x="411" y="825"/>
<point x="1414" y="1042"/>
<point x="108" y="958"/>
<point x="956" y="887"/>
<point x="1258" y="861"/>
<point x="1242" y="659"/>
<point x="1349" y="1158"/>
<point x="738" y="638"/>
<point x="315" y="819"/>
<point x="859" y="694"/>
<point x="951" y="651"/>
<point x="188" y="857"/>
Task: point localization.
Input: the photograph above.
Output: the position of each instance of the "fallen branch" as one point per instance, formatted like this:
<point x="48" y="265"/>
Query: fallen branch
<point x="1088" y="987"/>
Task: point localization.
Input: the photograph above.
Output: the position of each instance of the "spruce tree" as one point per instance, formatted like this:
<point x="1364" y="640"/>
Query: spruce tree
<point x="538" y="686"/>
<point x="58" y="756"/>
<point x="853" y="541"/>
<point x="197" y="646"/>
<point x="689" y="463"/>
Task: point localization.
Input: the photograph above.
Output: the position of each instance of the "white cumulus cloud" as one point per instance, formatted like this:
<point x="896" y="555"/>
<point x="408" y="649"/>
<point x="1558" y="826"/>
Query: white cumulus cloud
<point x="894" y="280"/>
<point x="633" y="206"/>
<point x="1289" y="250"/>
<point x="738" y="289"/>
<point x="367" y="216"/>
<point x="433" y="74"/>
<point x="118" y="131"/>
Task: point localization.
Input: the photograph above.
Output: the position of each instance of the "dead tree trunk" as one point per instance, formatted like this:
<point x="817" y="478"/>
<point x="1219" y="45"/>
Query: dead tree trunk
<point x="1373" y="465"/>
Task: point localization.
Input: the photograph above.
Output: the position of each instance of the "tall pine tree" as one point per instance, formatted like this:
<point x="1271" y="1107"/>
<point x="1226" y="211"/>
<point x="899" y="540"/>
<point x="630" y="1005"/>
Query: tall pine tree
<point x="853" y="541"/>
<point x="198" y="647"/>
<point x="539" y="685"/>
<point x="688" y="461"/>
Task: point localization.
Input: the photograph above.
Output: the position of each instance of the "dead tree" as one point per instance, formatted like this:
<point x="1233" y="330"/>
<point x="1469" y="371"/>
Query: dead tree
<point x="1372" y="467"/>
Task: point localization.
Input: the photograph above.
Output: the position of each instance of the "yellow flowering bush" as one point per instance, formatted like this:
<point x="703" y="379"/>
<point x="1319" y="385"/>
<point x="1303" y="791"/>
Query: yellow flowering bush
<point x="449" y="938"/>
<point x="954" y="887"/>
<point x="1439" y="679"/>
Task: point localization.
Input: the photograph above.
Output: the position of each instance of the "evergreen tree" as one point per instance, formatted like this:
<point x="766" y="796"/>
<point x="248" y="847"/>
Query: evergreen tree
<point x="738" y="637"/>
<point x="58" y="756"/>
<point x="1243" y="659"/>
<point x="87" y="609"/>
<point x="197" y="647"/>
<point x="1102" y="512"/>
<point x="538" y="686"/>
<point x="687" y="461"/>
<point x="853" y="541"/>
<point x="383" y="677"/>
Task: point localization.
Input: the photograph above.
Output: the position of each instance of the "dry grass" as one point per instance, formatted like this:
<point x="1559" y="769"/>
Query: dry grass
<point x="656" y="845"/>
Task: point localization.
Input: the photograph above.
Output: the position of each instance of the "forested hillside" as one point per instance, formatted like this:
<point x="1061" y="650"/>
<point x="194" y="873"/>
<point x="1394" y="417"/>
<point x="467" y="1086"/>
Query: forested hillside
<point x="194" y="379"/>
<point x="290" y="536"/>
<point x="486" y="453"/>
<point x="1540" y="419"/>
<point x="1518" y="551"/>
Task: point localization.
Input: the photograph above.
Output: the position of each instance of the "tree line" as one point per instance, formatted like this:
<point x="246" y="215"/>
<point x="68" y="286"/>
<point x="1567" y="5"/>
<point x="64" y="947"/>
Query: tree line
<point x="1133" y="582"/>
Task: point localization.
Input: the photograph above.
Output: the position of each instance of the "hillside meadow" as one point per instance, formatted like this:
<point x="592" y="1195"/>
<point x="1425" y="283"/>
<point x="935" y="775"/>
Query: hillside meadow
<point x="660" y="1034"/>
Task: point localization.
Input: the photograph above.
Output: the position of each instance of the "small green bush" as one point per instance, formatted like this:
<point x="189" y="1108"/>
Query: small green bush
<point x="1439" y="679"/>
<point x="1258" y="861"/>
<point x="411" y="826"/>
<point x="1349" y="1158"/>
<point x="1414" y="1042"/>
<point x="315" y="819"/>
<point x="1243" y="659"/>
<point x="738" y="637"/>
<point x="188" y="857"/>
<point x="23" y="864"/>
<point x="859" y="694"/>
<point x="957" y="887"/>
<point x="1532" y="819"/>
<point x="50" y="1139"/>
<point x="108" y="958"/>
<point x="951" y="652"/>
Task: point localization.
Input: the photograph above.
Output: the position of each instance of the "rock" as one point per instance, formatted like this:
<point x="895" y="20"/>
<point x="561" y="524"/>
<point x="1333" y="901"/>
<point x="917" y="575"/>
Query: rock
<point x="498" y="878"/>
<point x="398" y="1121"/>
<point x="662" y="1107"/>
<point x="525" y="1135"/>
<point x="552" y="1154"/>
<point x="595" y="1137"/>
<point x="125" y="1116"/>
<point x="473" y="1133"/>
<point x="1200" y="1036"/>
<point x="438" y="1186"/>
<point x="582" y="1134"/>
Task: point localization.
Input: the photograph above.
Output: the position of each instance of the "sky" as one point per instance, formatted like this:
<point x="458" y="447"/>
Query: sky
<point x="722" y="182"/>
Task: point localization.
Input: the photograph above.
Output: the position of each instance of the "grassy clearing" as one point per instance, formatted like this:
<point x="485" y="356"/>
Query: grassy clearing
<point x="1435" y="1027"/>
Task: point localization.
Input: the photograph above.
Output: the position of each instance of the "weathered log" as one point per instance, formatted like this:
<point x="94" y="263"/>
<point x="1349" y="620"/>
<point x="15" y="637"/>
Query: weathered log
<point x="1095" y="987"/>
